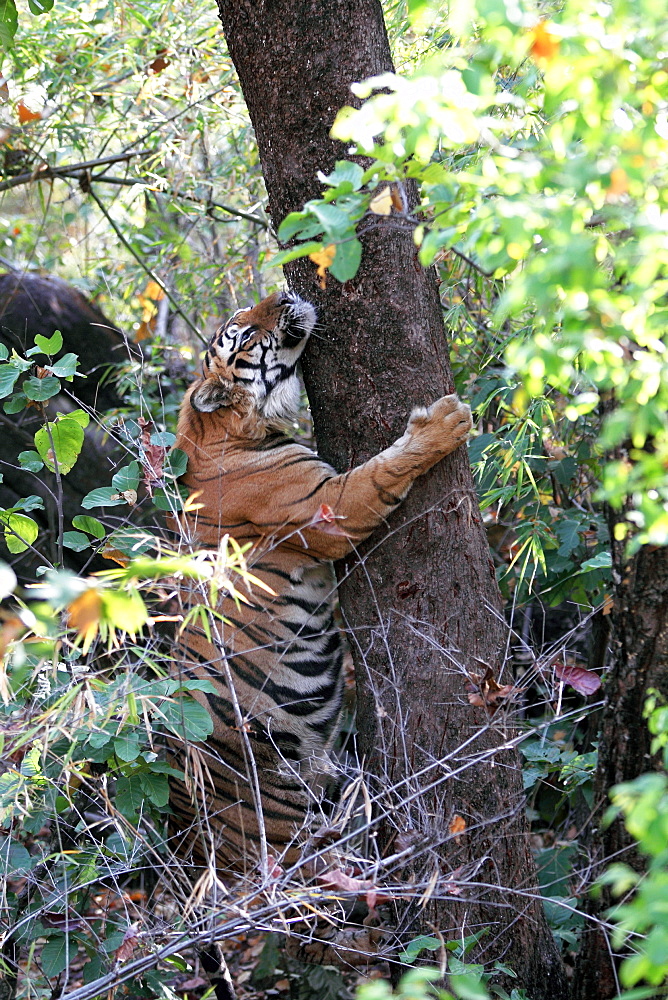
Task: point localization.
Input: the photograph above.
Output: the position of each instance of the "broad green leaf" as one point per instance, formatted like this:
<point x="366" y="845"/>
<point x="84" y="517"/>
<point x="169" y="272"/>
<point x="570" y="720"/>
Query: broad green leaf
<point x="67" y="436"/>
<point x="126" y="746"/>
<point x="335" y="221"/>
<point x="33" y="502"/>
<point x="8" y="374"/>
<point x="347" y="260"/>
<point x="40" y="389"/>
<point x="20" y="531"/>
<point x="164" y="439"/>
<point x="344" y="170"/>
<point x="102" y="497"/>
<point x="90" y="525"/>
<point x="17" y="403"/>
<point x="602" y="560"/>
<point x="156" y="787"/>
<point x="8" y="22"/>
<point x="31" y="461"/>
<point x="176" y="463"/>
<point x="126" y="478"/>
<point x="75" y="540"/>
<point x="303" y="250"/>
<point x="129" y="795"/>
<point x="57" y="954"/>
<point x="80" y="416"/>
<point x="40" y="6"/>
<point x="14" y="859"/>
<point x="66" y="366"/>
<point x="291" y="225"/>
<point x="48" y="345"/>
<point x="186" y="718"/>
<point x="4" y="352"/>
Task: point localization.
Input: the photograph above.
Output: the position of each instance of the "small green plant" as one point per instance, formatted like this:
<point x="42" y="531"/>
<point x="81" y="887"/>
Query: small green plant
<point x="642" y="920"/>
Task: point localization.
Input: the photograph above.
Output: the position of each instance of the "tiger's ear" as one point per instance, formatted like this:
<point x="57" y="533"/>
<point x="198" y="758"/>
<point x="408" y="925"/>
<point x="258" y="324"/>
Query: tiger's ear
<point x="211" y="393"/>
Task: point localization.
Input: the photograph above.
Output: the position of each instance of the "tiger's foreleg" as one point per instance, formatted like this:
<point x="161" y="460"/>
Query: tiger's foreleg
<point x="361" y="499"/>
<point x="218" y="974"/>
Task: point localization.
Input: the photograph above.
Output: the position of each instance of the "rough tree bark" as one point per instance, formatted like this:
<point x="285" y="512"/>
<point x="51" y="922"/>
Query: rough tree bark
<point x="639" y="661"/>
<point x="421" y="605"/>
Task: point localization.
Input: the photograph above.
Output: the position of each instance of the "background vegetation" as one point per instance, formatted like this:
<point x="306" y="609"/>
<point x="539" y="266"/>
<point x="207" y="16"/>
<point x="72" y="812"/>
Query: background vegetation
<point x="537" y="139"/>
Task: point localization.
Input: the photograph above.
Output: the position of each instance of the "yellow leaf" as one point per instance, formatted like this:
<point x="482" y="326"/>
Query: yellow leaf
<point x="85" y="612"/>
<point x="544" y="44"/>
<point x="154" y="291"/>
<point x="190" y="502"/>
<point x="324" y="259"/>
<point x="381" y="203"/>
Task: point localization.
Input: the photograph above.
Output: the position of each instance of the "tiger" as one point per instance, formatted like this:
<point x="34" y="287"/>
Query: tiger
<point x="275" y="661"/>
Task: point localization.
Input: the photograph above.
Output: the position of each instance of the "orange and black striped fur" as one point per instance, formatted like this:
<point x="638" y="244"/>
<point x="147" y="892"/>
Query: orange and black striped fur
<point x="276" y="661"/>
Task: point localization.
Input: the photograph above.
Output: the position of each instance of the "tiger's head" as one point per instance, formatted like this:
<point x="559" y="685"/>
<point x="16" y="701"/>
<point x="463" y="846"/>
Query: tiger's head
<point x="251" y="360"/>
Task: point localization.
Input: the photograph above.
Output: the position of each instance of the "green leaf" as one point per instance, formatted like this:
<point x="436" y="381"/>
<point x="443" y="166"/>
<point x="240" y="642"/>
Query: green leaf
<point x="20" y="531"/>
<point x="47" y="345"/>
<point x="186" y="718"/>
<point x="101" y="497"/>
<point x="568" y="533"/>
<point x="126" y="478"/>
<point x="67" y="436"/>
<point x="291" y="225"/>
<point x="40" y="389"/>
<point x="126" y="746"/>
<point x="75" y="540"/>
<point x="8" y="22"/>
<point x="156" y="787"/>
<point x="176" y="463"/>
<point x="33" y="502"/>
<point x="602" y="560"/>
<point x="347" y="260"/>
<point x="16" y="403"/>
<point x="129" y="795"/>
<point x="164" y="439"/>
<point x="4" y="352"/>
<point x="90" y="525"/>
<point x="418" y="944"/>
<point x="8" y="374"/>
<point x="57" y="954"/>
<point x="80" y="416"/>
<point x="303" y="250"/>
<point x="344" y="171"/>
<point x="66" y="366"/>
<point x="14" y="858"/>
<point x="31" y="461"/>
<point x="335" y="221"/>
<point x="40" y="6"/>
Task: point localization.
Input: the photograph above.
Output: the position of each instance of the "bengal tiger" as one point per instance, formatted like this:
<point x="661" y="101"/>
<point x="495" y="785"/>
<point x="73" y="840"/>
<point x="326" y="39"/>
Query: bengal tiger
<point x="276" y="661"/>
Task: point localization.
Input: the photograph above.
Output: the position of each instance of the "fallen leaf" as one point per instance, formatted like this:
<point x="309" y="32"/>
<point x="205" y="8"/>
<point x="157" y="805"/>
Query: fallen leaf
<point x="486" y="692"/>
<point x="153" y="456"/>
<point x="608" y="605"/>
<point x="457" y="826"/>
<point x="160" y="62"/>
<point x="383" y="202"/>
<point x="128" y="944"/>
<point x="583" y="681"/>
<point x="336" y="879"/>
<point x="25" y="114"/>
<point x="324" y="259"/>
<point x="130" y="496"/>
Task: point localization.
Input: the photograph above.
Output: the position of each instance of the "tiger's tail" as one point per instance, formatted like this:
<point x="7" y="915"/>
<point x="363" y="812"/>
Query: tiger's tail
<point x="215" y="966"/>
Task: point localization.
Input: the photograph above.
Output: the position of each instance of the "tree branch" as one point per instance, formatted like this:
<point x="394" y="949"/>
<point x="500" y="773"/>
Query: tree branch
<point x="46" y="172"/>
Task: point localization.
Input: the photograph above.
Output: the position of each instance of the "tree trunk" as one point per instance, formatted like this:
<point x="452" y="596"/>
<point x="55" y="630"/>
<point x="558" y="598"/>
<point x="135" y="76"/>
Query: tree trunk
<point x="421" y="603"/>
<point x="639" y="662"/>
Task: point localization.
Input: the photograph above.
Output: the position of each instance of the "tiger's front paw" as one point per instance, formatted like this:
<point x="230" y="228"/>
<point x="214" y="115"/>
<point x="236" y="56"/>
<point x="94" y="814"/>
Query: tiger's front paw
<point x="446" y="423"/>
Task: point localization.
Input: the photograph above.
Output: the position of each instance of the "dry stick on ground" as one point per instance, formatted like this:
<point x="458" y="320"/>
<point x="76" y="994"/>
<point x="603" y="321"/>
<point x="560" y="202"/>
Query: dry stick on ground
<point x="381" y="351"/>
